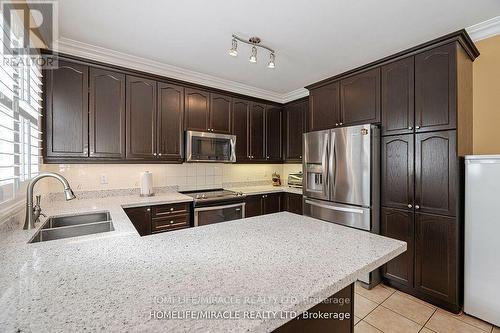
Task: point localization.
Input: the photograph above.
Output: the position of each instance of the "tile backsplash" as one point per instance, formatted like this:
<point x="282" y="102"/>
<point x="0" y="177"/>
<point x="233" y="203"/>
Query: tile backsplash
<point x="187" y="176"/>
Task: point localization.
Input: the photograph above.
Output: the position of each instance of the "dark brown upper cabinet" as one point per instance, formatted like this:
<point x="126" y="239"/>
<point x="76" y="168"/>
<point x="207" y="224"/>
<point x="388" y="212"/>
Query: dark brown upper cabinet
<point x="220" y="113"/>
<point x="170" y="132"/>
<point x="274" y="135"/>
<point x="324" y="107"/>
<point x="398" y="113"/>
<point x="294" y="127"/>
<point x="436" y="257"/>
<point x="240" y="128"/>
<point x="107" y="114"/>
<point x="360" y="98"/>
<point x="257" y="131"/>
<point x="66" y="110"/>
<point x="399" y="224"/>
<point x="197" y="110"/>
<point x="141" y="118"/>
<point x="398" y="171"/>
<point x="436" y="173"/>
<point x="436" y="89"/>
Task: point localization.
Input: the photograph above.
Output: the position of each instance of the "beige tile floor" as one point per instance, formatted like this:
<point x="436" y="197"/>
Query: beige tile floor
<point x="386" y="310"/>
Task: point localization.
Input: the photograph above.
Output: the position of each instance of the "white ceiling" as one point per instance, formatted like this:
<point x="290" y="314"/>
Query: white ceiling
<point x="314" y="39"/>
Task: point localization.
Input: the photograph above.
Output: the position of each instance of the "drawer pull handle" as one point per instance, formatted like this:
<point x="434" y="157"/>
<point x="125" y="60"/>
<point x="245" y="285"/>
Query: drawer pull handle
<point x="410" y="206"/>
<point x="171" y="222"/>
<point x="172" y="209"/>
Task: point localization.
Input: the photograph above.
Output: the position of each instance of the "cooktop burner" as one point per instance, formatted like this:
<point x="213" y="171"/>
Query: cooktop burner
<point x="214" y="196"/>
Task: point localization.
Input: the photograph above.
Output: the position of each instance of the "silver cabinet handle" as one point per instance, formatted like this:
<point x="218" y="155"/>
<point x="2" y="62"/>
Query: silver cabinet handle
<point x="171" y="221"/>
<point x="336" y="124"/>
<point x="154" y="154"/>
<point x="417" y="207"/>
<point x="148" y="209"/>
<point x="417" y="127"/>
<point x="410" y="206"/>
<point x="341" y="124"/>
<point x="410" y="128"/>
<point x="172" y="209"/>
<point x="159" y="154"/>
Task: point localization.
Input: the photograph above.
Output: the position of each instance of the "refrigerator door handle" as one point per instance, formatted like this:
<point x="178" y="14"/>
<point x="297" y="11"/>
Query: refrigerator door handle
<point x="334" y="161"/>
<point x="330" y="207"/>
<point x="326" y="167"/>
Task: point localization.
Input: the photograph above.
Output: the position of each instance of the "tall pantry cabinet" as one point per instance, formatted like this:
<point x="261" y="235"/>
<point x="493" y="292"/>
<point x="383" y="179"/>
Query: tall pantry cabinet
<point x="427" y="129"/>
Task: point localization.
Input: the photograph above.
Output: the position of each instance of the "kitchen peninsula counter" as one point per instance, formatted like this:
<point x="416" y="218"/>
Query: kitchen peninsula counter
<point x="118" y="281"/>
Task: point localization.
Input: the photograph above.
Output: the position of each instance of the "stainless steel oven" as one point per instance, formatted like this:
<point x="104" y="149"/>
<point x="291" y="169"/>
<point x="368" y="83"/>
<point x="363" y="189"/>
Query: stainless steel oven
<point x="220" y="213"/>
<point x="210" y="147"/>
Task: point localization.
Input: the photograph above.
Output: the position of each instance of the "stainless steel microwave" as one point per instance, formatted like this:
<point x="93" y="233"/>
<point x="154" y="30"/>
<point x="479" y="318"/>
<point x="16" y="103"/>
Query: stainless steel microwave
<point x="210" y="147"/>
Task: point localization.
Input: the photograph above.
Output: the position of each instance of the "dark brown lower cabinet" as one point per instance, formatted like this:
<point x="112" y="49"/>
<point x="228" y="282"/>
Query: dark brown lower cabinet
<point x="141" y="219"/>
<point x="261" y="204"/>
<point x="399" y="224"/>
<point x="269" y="203"/>
<point x="253" y="205"/>
<point x="160" y="218"/>
<point x="430" y="269"/>
<point x="292" y="203"/>
<point x="436" y="257"/>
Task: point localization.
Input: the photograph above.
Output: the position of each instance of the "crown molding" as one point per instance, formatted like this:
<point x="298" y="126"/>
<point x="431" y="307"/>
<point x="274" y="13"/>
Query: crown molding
<point x="102" y="54"/>
<point x="486" y="29"/>
<point x="295" y="94"/>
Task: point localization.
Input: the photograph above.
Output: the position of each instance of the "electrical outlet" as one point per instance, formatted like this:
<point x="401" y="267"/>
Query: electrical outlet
<point x="104" y="179"/>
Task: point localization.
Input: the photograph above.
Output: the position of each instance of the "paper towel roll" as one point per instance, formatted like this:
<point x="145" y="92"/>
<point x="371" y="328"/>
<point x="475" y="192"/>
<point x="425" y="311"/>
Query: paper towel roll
<point x="146" y="184"/>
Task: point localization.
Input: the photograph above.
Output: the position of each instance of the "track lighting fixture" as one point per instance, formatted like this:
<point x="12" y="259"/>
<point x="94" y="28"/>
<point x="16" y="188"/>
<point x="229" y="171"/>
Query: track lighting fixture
<point x="255" y="43"/>
<point x="234" y="48"/>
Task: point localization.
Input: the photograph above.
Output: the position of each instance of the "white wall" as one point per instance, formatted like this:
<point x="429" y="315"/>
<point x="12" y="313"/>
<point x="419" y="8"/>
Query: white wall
<point x="187" y="176"/>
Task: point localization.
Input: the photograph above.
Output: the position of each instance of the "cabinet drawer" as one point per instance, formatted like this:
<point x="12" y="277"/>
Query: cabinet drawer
<point x="160" y="224"/>
<point x="168" y="210"/>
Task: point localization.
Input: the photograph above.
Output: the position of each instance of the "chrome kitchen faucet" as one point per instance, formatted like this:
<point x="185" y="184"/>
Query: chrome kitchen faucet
<point x="33" y="213"/>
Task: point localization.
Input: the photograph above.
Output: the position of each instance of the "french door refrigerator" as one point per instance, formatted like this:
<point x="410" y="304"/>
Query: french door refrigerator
<point x="342" y="178"/>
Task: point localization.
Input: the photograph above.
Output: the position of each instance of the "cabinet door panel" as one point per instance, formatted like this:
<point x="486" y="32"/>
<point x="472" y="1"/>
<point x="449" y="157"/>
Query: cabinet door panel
<point x="435" y="89"/>
<point x="397" y="171"/>
<point x="253" y="205"/>
<point x="436" y="173"/>
<point x="272" y="203"/>
<point x="240" y="128"/>
<point x="141" y="219"/>
<point x="324" y="107"/>
<point x="398" y="224"/>
<point x="220" y="113"/>
<point x="436" y="250"/>
<point x="398" y="97"/>
<point x="197" y="108"/>
<point x="257" y="133"/>
<point x="294" y="127"/>
<point x="273" y="134"/>
<point x="67" y="110"/>
<point x="170" y="122"/>
<point x="360" y="98"/>
<point x="293" y="203"/>
<point x="107" y="114"/>
<point x="141" y="117"/>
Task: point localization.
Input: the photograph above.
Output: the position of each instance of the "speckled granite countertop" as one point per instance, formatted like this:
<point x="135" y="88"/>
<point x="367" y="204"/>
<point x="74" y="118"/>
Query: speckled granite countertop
<point x="119" y="281"/>
<point x="261" y="189"/>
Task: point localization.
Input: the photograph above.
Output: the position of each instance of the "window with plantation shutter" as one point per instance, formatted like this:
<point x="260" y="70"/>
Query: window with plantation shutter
<point x="20" y="136"/>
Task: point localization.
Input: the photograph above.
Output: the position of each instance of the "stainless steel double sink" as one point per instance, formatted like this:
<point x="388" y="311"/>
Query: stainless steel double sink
<point x="59" y="227"/>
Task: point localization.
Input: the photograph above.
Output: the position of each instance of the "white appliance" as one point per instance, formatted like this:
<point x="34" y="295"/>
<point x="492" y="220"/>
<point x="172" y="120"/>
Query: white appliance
<point x="482" y="238"/>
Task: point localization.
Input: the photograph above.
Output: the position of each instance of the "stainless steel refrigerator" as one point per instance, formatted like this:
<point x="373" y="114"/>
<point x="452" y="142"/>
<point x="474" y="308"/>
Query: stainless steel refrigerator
<point x="342" y="178"/>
